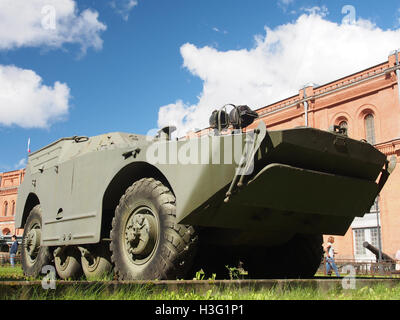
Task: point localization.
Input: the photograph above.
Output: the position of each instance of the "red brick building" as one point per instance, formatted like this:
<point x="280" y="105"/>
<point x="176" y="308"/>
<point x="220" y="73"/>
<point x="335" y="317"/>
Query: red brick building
<point x="367" y="103"/>
<point x="9" y="183"/>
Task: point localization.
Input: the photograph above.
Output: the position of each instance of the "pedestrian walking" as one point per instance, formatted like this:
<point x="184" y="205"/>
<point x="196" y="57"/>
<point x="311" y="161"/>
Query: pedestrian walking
<point x="330" y="257"/>
<point x="13" y="250"/>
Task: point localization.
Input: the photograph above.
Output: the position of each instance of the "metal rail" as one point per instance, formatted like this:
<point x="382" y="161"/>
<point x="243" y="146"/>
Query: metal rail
<point x="366" y="268"/>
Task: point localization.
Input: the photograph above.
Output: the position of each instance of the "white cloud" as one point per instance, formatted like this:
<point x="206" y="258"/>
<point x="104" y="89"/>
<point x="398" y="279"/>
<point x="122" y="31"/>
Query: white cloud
<point x="397" y="23"/>
<point x="174" y="114"/>
<point x="26" y="102"/>
<point x="311" y="49"/>
<point x="219" y="31"/>
<point x="284" y="4"/>
<point x="49" y="23"/>
<point x="123" y="7"/>
<point x="21" y="164"/>
<point x="321" y="11"/>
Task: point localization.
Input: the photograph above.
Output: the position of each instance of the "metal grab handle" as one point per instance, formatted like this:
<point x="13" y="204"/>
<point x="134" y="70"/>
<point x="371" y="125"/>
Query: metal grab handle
<point x="79" y="139"/>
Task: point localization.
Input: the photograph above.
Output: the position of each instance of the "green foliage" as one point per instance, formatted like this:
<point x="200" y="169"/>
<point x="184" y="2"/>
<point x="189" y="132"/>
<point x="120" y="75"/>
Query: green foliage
<point x="199" y="275"/>
<point x="236" y="273"/>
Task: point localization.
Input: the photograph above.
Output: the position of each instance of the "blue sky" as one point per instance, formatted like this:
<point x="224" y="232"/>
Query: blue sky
<point x="149" y="54"/>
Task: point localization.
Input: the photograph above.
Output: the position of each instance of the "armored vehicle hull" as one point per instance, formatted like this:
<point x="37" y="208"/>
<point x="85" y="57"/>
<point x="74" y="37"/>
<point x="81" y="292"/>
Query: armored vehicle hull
<point x="160" y="209"/>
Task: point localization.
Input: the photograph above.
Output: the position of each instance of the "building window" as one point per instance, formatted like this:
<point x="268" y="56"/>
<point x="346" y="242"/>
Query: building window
<point x="367" y="229"/>
<point x="359" y="238"/>
<point x="5" y="208"/>
<point x="370" y="129"/>
<point x="13" y="208"/>
<point x="344" y="125"/>
<point x="374" y="237"/>
<point x="370" y="235"/>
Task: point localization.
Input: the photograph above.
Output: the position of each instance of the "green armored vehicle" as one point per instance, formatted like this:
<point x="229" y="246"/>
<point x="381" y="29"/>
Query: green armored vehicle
<point x="162" y="208"/>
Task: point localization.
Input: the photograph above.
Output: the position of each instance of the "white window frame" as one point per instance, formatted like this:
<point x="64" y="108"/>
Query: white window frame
<point x="367" y="223"/>
<point x="368" y="256"/>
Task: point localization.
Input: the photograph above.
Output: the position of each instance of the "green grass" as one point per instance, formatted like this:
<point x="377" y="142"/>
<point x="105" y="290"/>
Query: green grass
<point x="377" y="292"/>
<point x="8" y="273"/>
<point x="102" y="291"/>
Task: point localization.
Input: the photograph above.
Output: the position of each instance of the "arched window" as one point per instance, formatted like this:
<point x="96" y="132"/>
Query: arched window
<point x="370" y="128"/>
<point x="13" y="208"/>
<point x="344" y="126"/>
<point x="5" y="208"/>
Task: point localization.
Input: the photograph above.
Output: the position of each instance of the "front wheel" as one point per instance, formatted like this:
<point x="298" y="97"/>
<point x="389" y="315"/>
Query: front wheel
<point x="34" y="256"/>
<point x="146" y="241"/>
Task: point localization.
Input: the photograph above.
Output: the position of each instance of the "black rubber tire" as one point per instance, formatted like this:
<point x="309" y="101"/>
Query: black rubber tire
<point x="68" y="264"/>
<point x="101" y="265"/>
<point x="173" y="252"/>
<point x="33" y="267"/>
<point x="299" y="258"/>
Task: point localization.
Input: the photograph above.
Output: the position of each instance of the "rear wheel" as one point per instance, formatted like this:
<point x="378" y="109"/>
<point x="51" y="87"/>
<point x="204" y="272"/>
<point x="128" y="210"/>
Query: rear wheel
<point x="146" y="241"/>
<point x="96" y="261"/>
<point x="34" y="256"/>
<point x="67" y="261"/>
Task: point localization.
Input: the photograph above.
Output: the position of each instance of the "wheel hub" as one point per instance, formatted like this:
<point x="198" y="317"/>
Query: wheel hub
<point x="32" y="243"/>
<point x="141" y="234"/>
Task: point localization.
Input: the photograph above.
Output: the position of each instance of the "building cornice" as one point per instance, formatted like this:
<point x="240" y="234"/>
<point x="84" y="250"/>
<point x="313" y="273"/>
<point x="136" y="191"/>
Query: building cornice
<point x="334" y="87"/>
<point x="8" y="191"/>
<point x="389" y="148"/>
